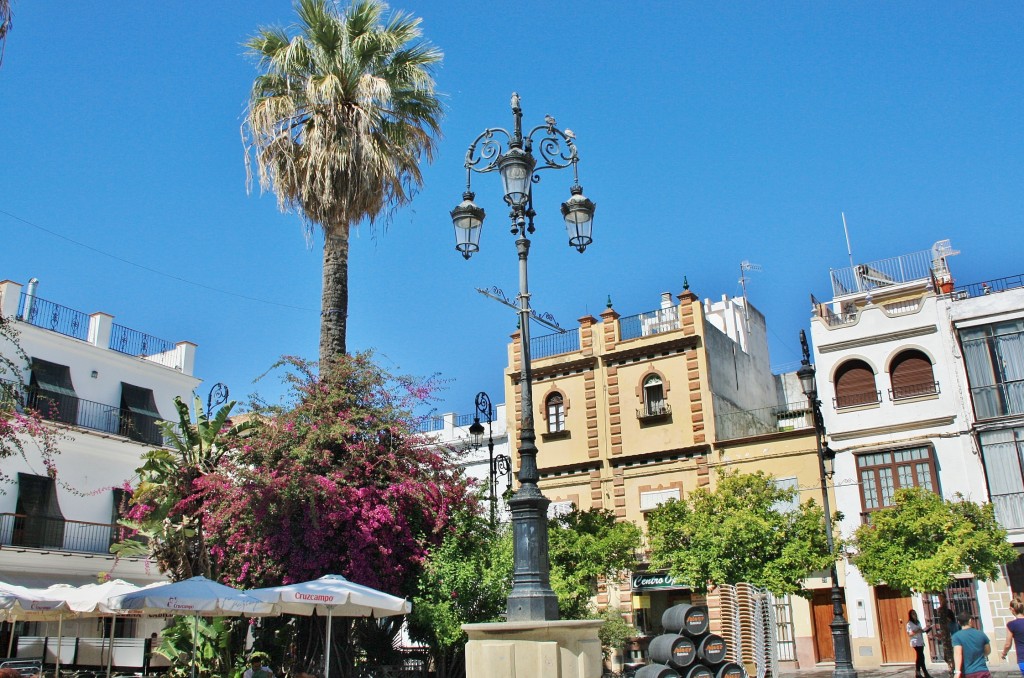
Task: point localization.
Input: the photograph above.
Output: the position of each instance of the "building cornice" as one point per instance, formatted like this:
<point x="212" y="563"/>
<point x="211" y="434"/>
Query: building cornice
<point x="893" y="428"/>
<point x="878" y="339"/>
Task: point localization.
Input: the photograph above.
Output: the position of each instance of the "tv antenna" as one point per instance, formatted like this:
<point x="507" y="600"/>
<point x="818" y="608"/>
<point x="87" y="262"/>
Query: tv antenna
<point x="744" y="267"/>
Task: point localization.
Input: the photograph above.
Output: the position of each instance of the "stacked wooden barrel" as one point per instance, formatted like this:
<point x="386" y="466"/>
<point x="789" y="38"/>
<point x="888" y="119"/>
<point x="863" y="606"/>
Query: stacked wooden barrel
<point x="687" y="649"/>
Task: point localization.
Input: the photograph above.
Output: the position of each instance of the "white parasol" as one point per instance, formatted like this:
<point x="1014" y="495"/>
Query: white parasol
<point x="195" y="597"/>
<point x="332" y="595"/>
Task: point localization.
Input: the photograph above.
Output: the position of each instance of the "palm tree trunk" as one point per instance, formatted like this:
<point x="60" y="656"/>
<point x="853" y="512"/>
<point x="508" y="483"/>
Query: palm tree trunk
<point x="334" y="303"/>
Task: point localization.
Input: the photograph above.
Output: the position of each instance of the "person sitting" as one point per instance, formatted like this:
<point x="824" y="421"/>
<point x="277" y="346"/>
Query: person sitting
<point x="256" y="668"/>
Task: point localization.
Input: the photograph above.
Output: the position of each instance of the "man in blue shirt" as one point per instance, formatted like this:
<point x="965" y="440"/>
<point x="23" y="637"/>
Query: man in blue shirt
<point x="971" y="648"/>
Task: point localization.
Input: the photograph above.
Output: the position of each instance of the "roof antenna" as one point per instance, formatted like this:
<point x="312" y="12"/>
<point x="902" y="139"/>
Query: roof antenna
<point x="744" y="267"/>
<point x="849" y="252"/>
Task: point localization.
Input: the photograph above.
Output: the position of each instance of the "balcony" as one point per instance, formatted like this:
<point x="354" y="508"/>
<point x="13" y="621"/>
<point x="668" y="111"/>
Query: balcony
<point x="654" y="411"/>
<point x="763" y="421"/>
<point x="85" y="414"/>
<point x="42" y="532"/>
<point x="906" y="391"/>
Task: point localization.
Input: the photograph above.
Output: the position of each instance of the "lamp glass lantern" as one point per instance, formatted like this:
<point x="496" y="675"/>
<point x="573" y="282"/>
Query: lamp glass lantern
<point x="516" y="169"/>
<point x="476" y="433"/>
<point x="806" y="376"/>
<point x="468" y="219"/>
<point x="578" y="212"/>
<point x="828" y="456"/>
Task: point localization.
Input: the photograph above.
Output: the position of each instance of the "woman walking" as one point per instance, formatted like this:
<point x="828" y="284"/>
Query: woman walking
<point x="916" y="633"/>
<point x="1015" y="633"/>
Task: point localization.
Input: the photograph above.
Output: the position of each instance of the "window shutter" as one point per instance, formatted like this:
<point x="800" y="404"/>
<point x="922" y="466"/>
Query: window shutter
<point x="912" y="375"/>
<point x="855" y="385"/>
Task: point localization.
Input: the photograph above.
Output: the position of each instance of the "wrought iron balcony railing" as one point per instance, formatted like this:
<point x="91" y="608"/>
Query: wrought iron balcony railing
<point x="654" y="410"/>
<point x="86" y="414"/>
<point x="913" y="390"/>
<point x="44" y="532"/>
<point x="980" y="289"/>
<point x="855" y="399"/>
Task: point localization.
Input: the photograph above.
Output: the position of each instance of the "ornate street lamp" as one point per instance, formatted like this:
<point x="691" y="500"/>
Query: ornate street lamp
<point x="531" y="598"/>
<point x="840" y="627"/>
<point x="497" y="466"/>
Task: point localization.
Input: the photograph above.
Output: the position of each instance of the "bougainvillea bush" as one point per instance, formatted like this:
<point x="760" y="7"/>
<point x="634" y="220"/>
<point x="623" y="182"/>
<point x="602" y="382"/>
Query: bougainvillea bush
<point x="337" y="481"/>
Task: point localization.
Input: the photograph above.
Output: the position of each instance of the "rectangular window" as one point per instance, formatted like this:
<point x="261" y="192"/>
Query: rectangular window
<point x="994" y="355"/>
<point x="794" y="503"/>
<point x="1003" y="453"/>
<point x="559" y="508"/>
<point x="883" y="473"/>
<point x="51" y="392"/>
<point x="139" y="415"/>
<point x="654" y="499"/>
<point x="38" y="521"/>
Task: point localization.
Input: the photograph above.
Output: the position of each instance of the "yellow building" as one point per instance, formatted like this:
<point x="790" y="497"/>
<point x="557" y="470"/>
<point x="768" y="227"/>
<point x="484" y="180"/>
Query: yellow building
<point x="633" y="411"/>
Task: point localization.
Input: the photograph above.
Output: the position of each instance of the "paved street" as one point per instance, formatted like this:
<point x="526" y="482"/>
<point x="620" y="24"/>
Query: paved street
<point x="998" y="669"/>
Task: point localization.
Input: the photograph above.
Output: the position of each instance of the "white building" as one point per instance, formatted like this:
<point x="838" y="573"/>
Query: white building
<point x="453" y="430"/>
<point x="897" y="409"/>
<point x="107" y="386"/>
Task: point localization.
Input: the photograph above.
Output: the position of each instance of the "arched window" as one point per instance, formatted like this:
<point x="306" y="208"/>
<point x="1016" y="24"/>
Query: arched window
<point x="911" y="375"/>
<point x="654" y="396"/>
<point x="555" y="408"/>
<point x="855" y="384"/>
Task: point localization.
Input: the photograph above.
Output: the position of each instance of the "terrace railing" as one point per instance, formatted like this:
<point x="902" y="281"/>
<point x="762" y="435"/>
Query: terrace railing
<point x="980" y="289"/>
<point x="762" y="421"/>
<point x="882" y="273"/>
<point x="554" y="344"/>
<point x="132" y="342"/>
<point x="646" y="324"/>
<point x="53" y="317"/>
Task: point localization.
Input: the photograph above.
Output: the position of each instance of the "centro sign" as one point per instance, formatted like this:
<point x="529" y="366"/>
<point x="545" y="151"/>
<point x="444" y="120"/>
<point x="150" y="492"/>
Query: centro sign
<point x="654" y="581"/>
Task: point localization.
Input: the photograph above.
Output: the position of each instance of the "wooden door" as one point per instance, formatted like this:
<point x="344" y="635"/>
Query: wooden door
<point x="892" y="625"/>
<point x="821" y="608"/>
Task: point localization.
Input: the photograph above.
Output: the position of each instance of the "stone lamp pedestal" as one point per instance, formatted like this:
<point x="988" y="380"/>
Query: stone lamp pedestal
<point x="553" y="649"/>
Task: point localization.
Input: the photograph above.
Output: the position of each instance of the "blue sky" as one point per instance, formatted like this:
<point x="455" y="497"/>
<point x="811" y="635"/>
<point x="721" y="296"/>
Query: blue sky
<point x="709" y="133"/>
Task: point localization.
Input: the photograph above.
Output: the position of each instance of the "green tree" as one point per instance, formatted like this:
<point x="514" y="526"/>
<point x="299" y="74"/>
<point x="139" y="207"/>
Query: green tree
<point x="586" y="545"/>
<point x="923" y="541"/>
<point x="740" y="532"/>
<point x="465" y="580"/>
<point x="174" y="535"/>
<point x="339" y="119"/>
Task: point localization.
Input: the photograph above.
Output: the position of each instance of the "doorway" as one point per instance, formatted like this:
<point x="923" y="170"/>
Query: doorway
<point x="821" y="609"/>
<point x="892" y="625"/>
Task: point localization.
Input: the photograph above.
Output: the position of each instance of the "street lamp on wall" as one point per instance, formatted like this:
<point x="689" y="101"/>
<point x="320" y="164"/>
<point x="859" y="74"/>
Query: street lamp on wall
<point x="826" y="465"/>
<point x="497" y="466"/>
<point x="511" y="154"/>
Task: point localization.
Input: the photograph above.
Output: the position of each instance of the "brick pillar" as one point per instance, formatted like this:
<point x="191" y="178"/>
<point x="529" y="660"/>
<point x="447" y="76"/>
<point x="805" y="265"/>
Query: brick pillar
<point x="619" y="492"/>
<point x="609" y="321"/>
<point x="587" y="334"/>
<point x="614" y="411"/>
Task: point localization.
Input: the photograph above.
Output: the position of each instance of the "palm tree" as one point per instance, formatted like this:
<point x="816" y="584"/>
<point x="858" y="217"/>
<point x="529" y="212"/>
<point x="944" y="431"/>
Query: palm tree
<point x="5" y="24"/>
<point x="338" y="120"/>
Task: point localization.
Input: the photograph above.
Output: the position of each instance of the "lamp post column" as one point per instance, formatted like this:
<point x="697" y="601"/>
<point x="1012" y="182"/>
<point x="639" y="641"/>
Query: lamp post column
<point x="531" y="598"/>
<point x="840" y="627"/>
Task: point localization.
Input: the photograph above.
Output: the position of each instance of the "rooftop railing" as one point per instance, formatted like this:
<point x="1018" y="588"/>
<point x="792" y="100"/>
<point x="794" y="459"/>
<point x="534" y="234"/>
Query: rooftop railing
<point x="132" y="342"/>
<point x="554" y="344"/>
<point x="53" y="317"/>
<point x="987" y="287"/>
<point x="646" y="324"/>
<point x="882" y="273"/>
